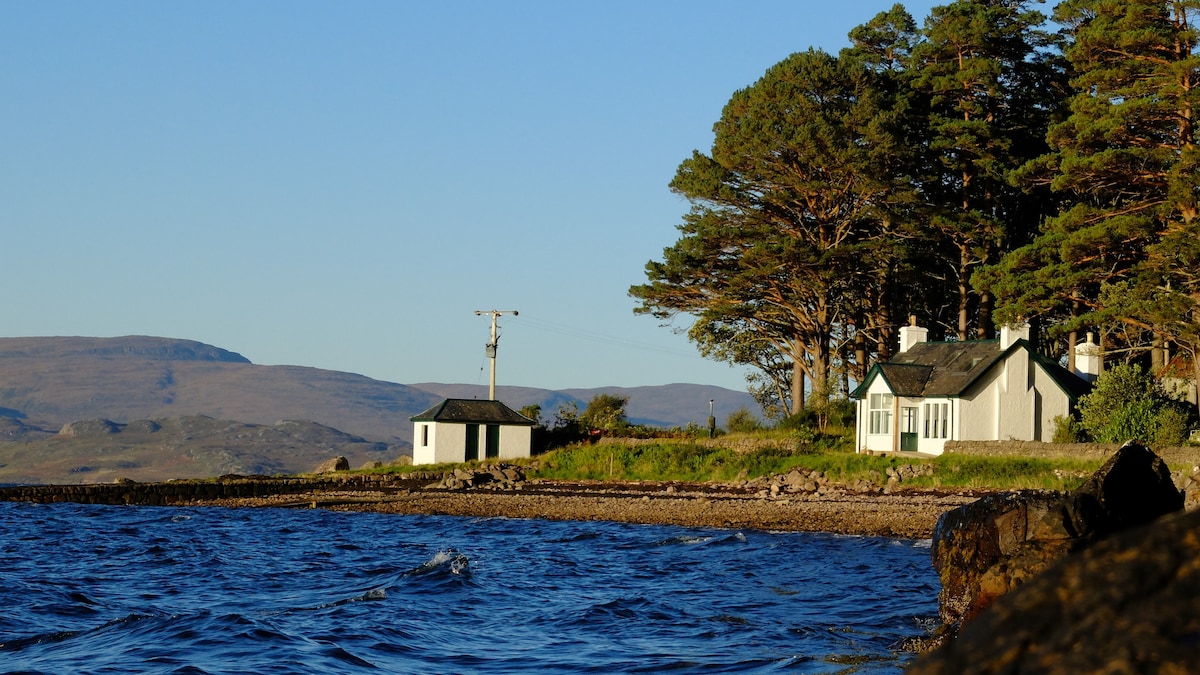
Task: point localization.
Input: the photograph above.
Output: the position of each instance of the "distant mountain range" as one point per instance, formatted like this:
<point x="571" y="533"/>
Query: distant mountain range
<point x="47" y="383"/>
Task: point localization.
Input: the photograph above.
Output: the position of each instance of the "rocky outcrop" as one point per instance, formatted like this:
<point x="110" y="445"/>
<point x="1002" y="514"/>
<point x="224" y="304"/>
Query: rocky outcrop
<point x="804" y="482"/>
<point x="983" y="550"/>
<point x="89" y="428"/>
<point x="495" y="477"/>
<point x="1125" y="605"/>
<point x="333" y="464"/>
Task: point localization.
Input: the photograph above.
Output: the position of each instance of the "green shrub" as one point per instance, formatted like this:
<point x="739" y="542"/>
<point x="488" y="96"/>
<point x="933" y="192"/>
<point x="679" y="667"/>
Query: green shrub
<point x="1128" y="403"/>
<point x="742" y="421"/>
<point x="1067" y="430"/>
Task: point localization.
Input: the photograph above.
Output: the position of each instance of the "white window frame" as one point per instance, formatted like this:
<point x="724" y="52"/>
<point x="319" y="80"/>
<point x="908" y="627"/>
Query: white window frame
<point x="880" y="413"/>
<point x="937" y="420"/>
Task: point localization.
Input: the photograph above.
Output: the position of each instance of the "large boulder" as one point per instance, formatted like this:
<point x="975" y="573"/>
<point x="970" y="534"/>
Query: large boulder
<point x="333" y="464"/>
<point x="1125" y="605"/>
<point x="983" y="550"/>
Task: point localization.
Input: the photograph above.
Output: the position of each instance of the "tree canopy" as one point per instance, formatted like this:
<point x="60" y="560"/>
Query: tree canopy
<point x="977" y="168"/>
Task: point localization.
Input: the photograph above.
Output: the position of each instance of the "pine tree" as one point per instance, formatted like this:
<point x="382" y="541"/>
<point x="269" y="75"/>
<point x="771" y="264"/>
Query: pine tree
<point x="787" y="212"/>
<point x="989" y="82"/>
<point x="1127" y="249"/>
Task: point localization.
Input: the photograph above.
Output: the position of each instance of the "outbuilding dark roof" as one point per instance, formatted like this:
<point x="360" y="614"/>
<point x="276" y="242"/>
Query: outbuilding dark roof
<point x="472" y="411"/>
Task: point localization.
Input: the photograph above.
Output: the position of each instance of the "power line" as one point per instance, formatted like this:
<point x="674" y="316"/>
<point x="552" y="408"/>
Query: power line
<point x="593" y="336"/>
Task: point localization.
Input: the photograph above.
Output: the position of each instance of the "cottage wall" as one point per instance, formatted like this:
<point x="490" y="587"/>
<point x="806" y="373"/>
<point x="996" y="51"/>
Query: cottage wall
<point x="1014" y="413"/>
<point x="979" y="409"/>
<point x="1053" y="402"/>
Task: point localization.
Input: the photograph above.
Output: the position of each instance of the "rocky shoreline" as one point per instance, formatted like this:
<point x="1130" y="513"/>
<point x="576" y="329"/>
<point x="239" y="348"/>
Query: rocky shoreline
<point x="906" y="513"/>
<point x="796" y="503"/>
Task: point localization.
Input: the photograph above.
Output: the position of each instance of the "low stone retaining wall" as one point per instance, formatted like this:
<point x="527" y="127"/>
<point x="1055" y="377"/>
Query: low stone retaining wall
<point x="742" y="446"/>
<point x="183" y="492"/>
<point x="1179" y="457"/>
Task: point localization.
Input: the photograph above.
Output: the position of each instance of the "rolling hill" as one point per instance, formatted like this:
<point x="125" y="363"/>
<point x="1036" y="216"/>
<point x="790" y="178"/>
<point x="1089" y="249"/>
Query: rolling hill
<point x="47" y="383"/>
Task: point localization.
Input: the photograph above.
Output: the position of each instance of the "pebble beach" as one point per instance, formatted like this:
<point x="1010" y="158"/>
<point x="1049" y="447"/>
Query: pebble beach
<point x="909" y="513"/>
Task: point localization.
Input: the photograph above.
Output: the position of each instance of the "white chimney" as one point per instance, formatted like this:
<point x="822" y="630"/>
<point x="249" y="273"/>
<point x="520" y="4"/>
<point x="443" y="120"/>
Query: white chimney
<point x="1088" y="359"/>
<point x="1010" y="334"/>
<point x="912" y="334"/>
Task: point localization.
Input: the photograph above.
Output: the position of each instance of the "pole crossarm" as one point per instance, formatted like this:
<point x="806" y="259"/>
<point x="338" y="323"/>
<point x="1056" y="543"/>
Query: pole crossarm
<point x="491" y="346"/>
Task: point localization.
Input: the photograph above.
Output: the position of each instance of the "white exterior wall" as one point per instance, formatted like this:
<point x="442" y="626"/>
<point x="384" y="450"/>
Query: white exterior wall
<point x="936" y="445"/>
<point x="1015" y="413"/>
<point x="1053" y="403"/>
<point x="1018" y="400"/>
<point x="448" y="442"/>
<point x="515" y="441"/>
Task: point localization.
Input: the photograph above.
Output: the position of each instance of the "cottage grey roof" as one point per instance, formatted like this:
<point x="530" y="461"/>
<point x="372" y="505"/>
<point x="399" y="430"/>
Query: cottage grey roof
<point x="906" y="379"/>
<point x="472" y="411"/>
<point x="954" y="365"/>
<point x="948" y="369"/>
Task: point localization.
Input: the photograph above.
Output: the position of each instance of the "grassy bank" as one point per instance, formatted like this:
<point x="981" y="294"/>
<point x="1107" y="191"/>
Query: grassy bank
<point x="747" y="456"/>
<point x="693" y="462"/>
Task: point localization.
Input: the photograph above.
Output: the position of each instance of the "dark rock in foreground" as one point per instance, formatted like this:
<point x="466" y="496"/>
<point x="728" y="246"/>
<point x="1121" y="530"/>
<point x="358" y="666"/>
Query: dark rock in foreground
<point x="1128" y="604"/>
<point x="983" y="550"/>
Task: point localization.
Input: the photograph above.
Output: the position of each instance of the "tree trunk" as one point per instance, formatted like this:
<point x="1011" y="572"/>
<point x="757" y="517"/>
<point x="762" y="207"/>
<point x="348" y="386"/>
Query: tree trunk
<point x="797" y="389"/>
<point x="798" y="350"/>
<point x="984" y="329"/>
<point x="964" y="294"/>
<point x="860" y="353"/>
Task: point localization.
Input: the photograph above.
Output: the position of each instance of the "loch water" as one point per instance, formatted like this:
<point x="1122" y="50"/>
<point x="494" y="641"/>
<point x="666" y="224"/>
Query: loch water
<point x="103" y="589"/>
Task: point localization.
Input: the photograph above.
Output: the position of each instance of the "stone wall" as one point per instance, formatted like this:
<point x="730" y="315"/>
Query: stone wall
<point x="183" y="492"/>
<point x="742" y="446"/>
<point x="1178" y="458"/>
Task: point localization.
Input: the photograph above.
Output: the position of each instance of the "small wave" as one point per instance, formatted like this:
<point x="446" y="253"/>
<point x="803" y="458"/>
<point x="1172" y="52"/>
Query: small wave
<point x="451" y="561"/>
<point x="735" y="538"/>
<point x="923" y="543"/>
<point x="582" y="536"/>
<point x="685" y="540"/>
<point x="21" y="643"/>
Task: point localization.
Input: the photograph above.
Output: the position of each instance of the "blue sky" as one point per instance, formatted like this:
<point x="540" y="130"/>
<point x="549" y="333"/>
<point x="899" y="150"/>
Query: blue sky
<point x="342" y="185"/>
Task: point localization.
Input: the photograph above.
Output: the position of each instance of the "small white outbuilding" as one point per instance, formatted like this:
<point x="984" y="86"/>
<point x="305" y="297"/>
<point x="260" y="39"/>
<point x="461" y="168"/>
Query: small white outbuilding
<point x="464" y="430"/>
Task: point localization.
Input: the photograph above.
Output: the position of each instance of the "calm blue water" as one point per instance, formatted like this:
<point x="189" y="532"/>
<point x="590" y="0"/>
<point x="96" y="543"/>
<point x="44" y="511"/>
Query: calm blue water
<point x="98" y="589"/>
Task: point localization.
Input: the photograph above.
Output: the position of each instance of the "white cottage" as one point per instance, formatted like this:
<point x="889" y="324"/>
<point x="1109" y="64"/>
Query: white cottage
<point x="463" y="430"/>
<point x="985" y="390"/>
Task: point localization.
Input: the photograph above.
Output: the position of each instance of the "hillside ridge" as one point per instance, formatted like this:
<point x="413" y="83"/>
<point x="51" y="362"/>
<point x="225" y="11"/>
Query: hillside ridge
<point x="48" y="383"/>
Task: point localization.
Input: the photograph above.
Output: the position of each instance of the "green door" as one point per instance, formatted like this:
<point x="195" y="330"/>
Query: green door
<point x="472" y="443"/>
<point x="492" y="442"/>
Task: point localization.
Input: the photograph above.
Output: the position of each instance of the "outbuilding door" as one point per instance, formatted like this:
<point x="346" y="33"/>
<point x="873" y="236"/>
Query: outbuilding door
<point x="472" y="443"/>
<point x="492" y="441"/>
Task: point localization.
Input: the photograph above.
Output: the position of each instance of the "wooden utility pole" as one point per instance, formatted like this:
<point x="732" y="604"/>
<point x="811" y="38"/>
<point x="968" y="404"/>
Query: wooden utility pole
<point x="491" y="346"/>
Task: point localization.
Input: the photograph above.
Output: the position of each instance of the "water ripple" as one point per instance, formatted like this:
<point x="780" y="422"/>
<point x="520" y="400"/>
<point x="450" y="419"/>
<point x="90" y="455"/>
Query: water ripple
<point x="92" y="589"/>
